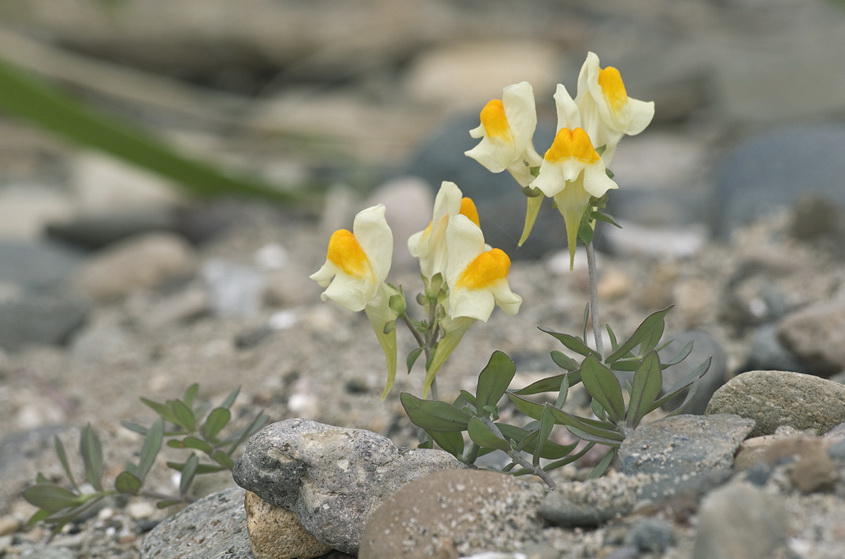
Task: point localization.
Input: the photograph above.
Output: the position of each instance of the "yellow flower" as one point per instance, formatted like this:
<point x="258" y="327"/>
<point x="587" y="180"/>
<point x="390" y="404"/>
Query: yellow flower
<point x="354" y="276"/>
<point x="607" y="112"/>
<point x="572" y="172"/>
<point x="506" y="132"/>
<point x="429" y="245"/>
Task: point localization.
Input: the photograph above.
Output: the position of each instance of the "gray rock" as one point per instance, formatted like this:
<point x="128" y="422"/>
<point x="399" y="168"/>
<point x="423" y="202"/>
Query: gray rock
<point x="452" y="514"/>
<point x="683" y="449"/>
<point x="234" y="289"/>
<point x="768" y="353"/>
<point x="739" y="521"/>
<point x="38" y="266"/>
<point x="212" y="528"/>
<point x="332" y="478"/>
<point x="761" y="174"/>
<point x="650" y="535"/>
<point x="704" y="346"/>
<point x="816" y="335"/>
<point x="40" y="318"/>
<point x="97" y="230"/>
<point x="775" y="398"/>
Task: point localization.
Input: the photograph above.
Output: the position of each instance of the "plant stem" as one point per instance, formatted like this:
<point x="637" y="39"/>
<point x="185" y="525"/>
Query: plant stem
<point x="594" y="297"/>
<point x="517" y="457"/>
<point x="425" y="343"/>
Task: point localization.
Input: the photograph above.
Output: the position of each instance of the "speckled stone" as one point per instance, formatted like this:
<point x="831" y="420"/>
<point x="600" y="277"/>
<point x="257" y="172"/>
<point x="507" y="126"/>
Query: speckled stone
<point x="776" y="398"/>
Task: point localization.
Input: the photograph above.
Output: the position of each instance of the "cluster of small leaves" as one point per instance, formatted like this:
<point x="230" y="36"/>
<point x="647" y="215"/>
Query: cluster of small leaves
<point x="529" y="446"/>
<point x="184" y="423"/>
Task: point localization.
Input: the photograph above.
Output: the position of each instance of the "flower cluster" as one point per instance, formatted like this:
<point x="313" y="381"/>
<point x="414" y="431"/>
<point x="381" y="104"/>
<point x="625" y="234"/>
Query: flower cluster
<point x="464" y="278"/>
<point x="573" y="171"/>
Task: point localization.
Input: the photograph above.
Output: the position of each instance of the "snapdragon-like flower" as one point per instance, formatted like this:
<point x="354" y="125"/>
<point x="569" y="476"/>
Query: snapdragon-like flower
<point x="429" y="245"/>
<point x="506" y="132"/>
<point x="476" y="276"/>
<point x="607" y="112"/>
<point x="571" y="173"/>
<point x="354" y="275"/>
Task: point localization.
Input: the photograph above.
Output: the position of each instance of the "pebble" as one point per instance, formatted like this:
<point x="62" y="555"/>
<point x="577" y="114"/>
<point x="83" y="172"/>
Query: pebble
<point x="40" y="318"/>
<point x="739" y="521"/>
<point x="816" y="336"/>
<point x="332" y="478"/>
<point x="235" y="290"/>
<point x="144" y="262"/>
<point x="650" y="535"/>
<point x="450" y="514"/>
<point x="775" y="398"/>
<point x="593" y="502"/>
<point x="276" y="533"/>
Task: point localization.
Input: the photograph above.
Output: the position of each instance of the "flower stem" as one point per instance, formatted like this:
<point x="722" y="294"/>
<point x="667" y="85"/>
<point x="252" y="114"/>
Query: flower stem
<point x="594" y="298"/>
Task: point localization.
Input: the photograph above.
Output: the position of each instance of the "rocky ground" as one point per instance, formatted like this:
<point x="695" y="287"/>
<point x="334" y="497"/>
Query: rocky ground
<point x="115" y="288"/>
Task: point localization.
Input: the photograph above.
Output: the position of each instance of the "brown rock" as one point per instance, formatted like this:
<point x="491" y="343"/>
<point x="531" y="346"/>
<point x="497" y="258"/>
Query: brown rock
<point x="276" y="533"/>
<point x="816" y="334"/>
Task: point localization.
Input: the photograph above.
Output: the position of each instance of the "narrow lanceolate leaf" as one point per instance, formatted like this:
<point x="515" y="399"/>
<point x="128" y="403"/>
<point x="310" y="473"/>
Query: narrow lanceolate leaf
<point x="647" y="336"/>
<point x="574" y="343"/>
<point x="603" y="386"/>
<point x="529" y="408"/>
<point x="412" y="358"/>
<point x="494" y="380"/>
<point x="127" y="483"/>
<point x="564" y="361"/>
<point x="51" y="497"/>
<point x="230" y="399"/>
<point x="164" y="411"/>
<point x="28" y="97"/>
<point x="188" y="473"/>
<point x="135" y="427"/>
<point x="549" y="384"/>
<point x="152" y="444"/>
<point x="547" y="421"/>
<point x="241" y="437"/>
<point x="215" y="422"/>
<point x="603" y="464"/>
<point x="191" y="394"/>
<point x="92" y="457"/>
<point x="648" y="382"/>
<point x="588" y="429"/>
<point x="453" y="443"/>
<point x="689" y="382"/>
<point x="484" y="437"/>
<point x="434" y="416"/>
<point x="60" y="451"/>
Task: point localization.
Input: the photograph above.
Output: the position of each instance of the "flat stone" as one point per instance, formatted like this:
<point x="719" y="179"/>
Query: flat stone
<point x="331" y="478"/>
<point x="776" y="398"/>
<point x="593" y="502"/>
<point x="451" y="514"/>
<point x="683" y="447"/>
<point x="212" y="528"/>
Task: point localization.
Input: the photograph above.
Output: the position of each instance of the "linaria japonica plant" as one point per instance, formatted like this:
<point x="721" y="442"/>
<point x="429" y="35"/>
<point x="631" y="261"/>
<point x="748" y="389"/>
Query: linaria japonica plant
<point x="464" y="279"/>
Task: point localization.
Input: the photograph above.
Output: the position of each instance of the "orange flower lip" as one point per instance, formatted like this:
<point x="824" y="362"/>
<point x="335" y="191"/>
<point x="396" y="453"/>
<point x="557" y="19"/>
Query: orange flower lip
<point x="486" y="269"/>
<point x="613" y="88"/>
<point x="572" y="144"/>
<point x="346" y="253"/>
<point x="495" y="120"/>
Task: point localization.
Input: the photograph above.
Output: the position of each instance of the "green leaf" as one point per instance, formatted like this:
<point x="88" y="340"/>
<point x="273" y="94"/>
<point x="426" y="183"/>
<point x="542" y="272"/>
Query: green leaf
<point x="152" y="444"/>
<point x="612" y="335"/>
<point x="433" y="415"/>
<point x="647" y="336"/>
<point x="603" y="386"/>
<point x="201" y="469"/>
<point x="60" y="451"/>
<point x="215" y="422"/>
<point x="465" y="398"/>
<point x="571" y="457"/>
<point x="529" y="408"/>
<point x="127" y="483"/>
<point x="412" y="358"/>
<point x="168" y="503"/>
<point x="648" y="382"/>
<point x="223" y="459"/>
<point x="239" y="438"/>
<point x="164" y="411"/>
<point x="564" y="361"/>
<point x="188" y="473"/>
<point x="135" y="427"/>
<point x="92" y="457"/>
<point x="51" y="497"/>
<point x="681" y="355"/>
<point x="549" y="384"/>
<point x="453" y="443"/>
<point x="574" y="343"/>
<point x="494" y="380"/>
<point x="33" y="99"/>
<point x="699" y="372"/>
<point x="588" y="429"/>
<point x="192" y="442"/>
<point x="183" y="414"/>
<point x="547" y="421"/>
<point x="600" y="468"/>
<point x="484" y="437"/>
<point x="191" y="394"/>
<point x="230" y="399"/>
